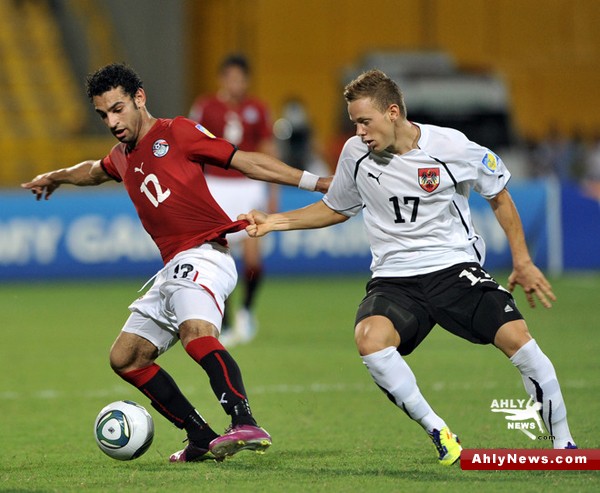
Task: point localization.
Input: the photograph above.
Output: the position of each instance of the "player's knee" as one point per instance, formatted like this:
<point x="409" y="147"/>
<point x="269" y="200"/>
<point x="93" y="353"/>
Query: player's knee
<point x="130" y="352"/>
<point x="512" y="336"/>
<point x="381" y="323"/>
<point x="194" y="329"/>
<point x="119" y="362"/>
<point x="375" y="333"/>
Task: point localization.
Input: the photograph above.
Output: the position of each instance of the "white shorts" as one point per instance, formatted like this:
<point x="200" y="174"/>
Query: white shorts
<point x="192" y="286"/>
<point x="237" y="196"/>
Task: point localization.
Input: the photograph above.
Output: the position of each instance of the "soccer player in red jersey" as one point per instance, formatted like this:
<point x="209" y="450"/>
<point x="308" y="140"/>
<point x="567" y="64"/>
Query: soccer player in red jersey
<point x="245" y="121"/>
<point x="161" y="163"/>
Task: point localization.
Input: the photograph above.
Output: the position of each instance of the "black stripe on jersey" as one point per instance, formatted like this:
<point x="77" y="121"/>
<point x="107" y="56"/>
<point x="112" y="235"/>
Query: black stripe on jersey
<point x="235" y="149"/>
<point x="477" y="252"/>
<point x="358" y="164"/>
<point x="462" y="220"/>
<point x="446" y="168"/>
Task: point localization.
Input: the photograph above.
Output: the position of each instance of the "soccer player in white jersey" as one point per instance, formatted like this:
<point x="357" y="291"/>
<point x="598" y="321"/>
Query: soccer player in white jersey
<point x="412" y="183"/>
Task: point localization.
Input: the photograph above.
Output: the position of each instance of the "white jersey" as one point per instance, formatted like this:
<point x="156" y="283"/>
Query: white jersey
<point x="415" y="205"/>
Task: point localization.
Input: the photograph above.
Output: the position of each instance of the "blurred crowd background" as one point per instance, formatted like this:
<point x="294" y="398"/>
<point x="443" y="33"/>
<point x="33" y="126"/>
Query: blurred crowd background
<point x="518" y="76"/>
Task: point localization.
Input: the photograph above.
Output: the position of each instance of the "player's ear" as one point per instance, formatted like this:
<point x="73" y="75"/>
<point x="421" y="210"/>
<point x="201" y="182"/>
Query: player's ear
<point x="139" y="98"/>
<point x="393" y="112"/>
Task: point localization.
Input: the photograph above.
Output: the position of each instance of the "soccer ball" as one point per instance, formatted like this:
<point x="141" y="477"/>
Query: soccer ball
<point x="124" y="430"/>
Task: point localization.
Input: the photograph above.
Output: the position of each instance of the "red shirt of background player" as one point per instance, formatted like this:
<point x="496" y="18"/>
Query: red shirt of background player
<point x="164" y="177"/>
<point x="251" y="115"/>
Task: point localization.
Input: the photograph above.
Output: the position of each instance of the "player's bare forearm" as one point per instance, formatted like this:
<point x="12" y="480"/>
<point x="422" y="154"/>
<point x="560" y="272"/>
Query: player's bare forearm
<point x="314" y="216"/>
<point x="263" y="167"/>
<point x="86" y="173"/>
<point x="508" y="217"/>
<point x="525" y="273"/>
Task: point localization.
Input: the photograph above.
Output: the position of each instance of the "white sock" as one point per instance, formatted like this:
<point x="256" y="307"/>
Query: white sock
<point x="539" y="378"/>
<point x="391" y="373"/>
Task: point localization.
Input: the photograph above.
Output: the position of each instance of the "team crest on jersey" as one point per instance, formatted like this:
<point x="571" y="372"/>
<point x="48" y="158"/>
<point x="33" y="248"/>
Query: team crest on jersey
<point x="205" y="131"/>
<point x="160" y="148"/>
<point x="490" y="161"/>
<point x="429" y="178"/>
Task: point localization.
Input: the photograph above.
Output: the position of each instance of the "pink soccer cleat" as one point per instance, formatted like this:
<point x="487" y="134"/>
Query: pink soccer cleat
<point x="240" y="437"/>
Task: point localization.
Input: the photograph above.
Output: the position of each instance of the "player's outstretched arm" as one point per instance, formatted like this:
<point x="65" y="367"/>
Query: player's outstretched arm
<point x="83" y="174"/>
<point x="259" y="166"/>
<point x="525" y="273"/>
<point x="313" y="216"/>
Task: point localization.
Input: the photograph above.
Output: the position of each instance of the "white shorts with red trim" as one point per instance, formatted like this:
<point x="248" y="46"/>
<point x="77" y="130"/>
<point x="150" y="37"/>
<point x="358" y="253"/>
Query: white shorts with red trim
<point x="192" y="286"/>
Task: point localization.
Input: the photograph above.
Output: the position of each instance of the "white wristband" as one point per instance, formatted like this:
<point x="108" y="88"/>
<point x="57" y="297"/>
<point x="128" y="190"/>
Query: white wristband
<point x="308" y="181"/>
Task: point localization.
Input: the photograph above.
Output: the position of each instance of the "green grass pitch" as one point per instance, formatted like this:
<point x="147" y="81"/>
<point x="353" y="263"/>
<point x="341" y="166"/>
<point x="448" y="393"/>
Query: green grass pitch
<point x="333" y="430"/>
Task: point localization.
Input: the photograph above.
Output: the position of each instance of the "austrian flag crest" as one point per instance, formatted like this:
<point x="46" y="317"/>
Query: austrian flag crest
<point x="429" y="178"/>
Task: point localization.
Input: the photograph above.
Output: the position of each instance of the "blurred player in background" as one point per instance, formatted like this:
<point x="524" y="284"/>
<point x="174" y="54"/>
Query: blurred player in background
<point x="244" y="121"/>
<point x="160" y="162"/>
<point x="412" y="184"/>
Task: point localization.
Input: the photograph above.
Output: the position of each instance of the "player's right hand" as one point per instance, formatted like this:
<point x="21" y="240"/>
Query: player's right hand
<point x="41" y="186"/>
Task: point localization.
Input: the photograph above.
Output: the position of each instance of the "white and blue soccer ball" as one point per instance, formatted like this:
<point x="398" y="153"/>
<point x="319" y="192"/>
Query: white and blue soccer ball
<point x="124" y="430"/>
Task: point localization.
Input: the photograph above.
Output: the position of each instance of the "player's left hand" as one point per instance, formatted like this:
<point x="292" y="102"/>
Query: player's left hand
<point x="534" y="283"/>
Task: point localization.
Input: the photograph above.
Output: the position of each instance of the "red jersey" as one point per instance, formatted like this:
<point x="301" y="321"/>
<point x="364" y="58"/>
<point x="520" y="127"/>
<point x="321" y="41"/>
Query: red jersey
<point x="245" y="125"/>
<point x="164" y="177"/>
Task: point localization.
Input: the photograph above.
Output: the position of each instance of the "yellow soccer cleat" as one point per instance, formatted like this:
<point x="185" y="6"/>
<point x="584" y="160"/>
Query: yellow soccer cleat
<point x="447" y="445"/>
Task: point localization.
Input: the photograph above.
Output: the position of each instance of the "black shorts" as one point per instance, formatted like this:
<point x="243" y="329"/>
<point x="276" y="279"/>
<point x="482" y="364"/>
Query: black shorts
<point x="463" y="299"/>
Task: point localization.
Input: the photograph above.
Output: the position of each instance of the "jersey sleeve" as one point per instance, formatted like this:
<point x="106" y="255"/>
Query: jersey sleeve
<point x="469" y="162"/>
<point x="200" y="145"/>
<point x="343" y="195"/>
<point x="492" y="174"/>
<point x="109" y="166"/>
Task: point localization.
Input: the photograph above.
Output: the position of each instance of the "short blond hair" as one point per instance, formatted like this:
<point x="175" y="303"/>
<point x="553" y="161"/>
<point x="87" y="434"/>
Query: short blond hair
<point x="376" y="85"/>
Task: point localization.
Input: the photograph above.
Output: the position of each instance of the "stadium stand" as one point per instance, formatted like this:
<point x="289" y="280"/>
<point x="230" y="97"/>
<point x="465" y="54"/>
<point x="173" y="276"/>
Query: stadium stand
<point x="43" y="111"/>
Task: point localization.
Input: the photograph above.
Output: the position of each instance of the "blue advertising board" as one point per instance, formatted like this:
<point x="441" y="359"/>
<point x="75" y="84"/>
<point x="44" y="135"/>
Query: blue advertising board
<point x="93" y="233"/>
<point x="76" y="233"/>
<point x="580" y="221"/>
<point x="531" y="198"/>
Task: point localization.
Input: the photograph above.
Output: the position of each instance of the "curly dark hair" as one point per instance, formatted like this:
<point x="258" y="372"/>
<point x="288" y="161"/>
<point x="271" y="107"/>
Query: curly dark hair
<point x="112" y="76"/>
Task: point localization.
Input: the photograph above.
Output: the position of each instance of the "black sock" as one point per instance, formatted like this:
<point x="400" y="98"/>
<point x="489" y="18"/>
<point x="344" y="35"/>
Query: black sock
<point x="252" y="280"/>
<point x="198" y="431"/>
<point x="167" y="399"/>
<point x="225" y="377"/>
<point x="241" y="414"/>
